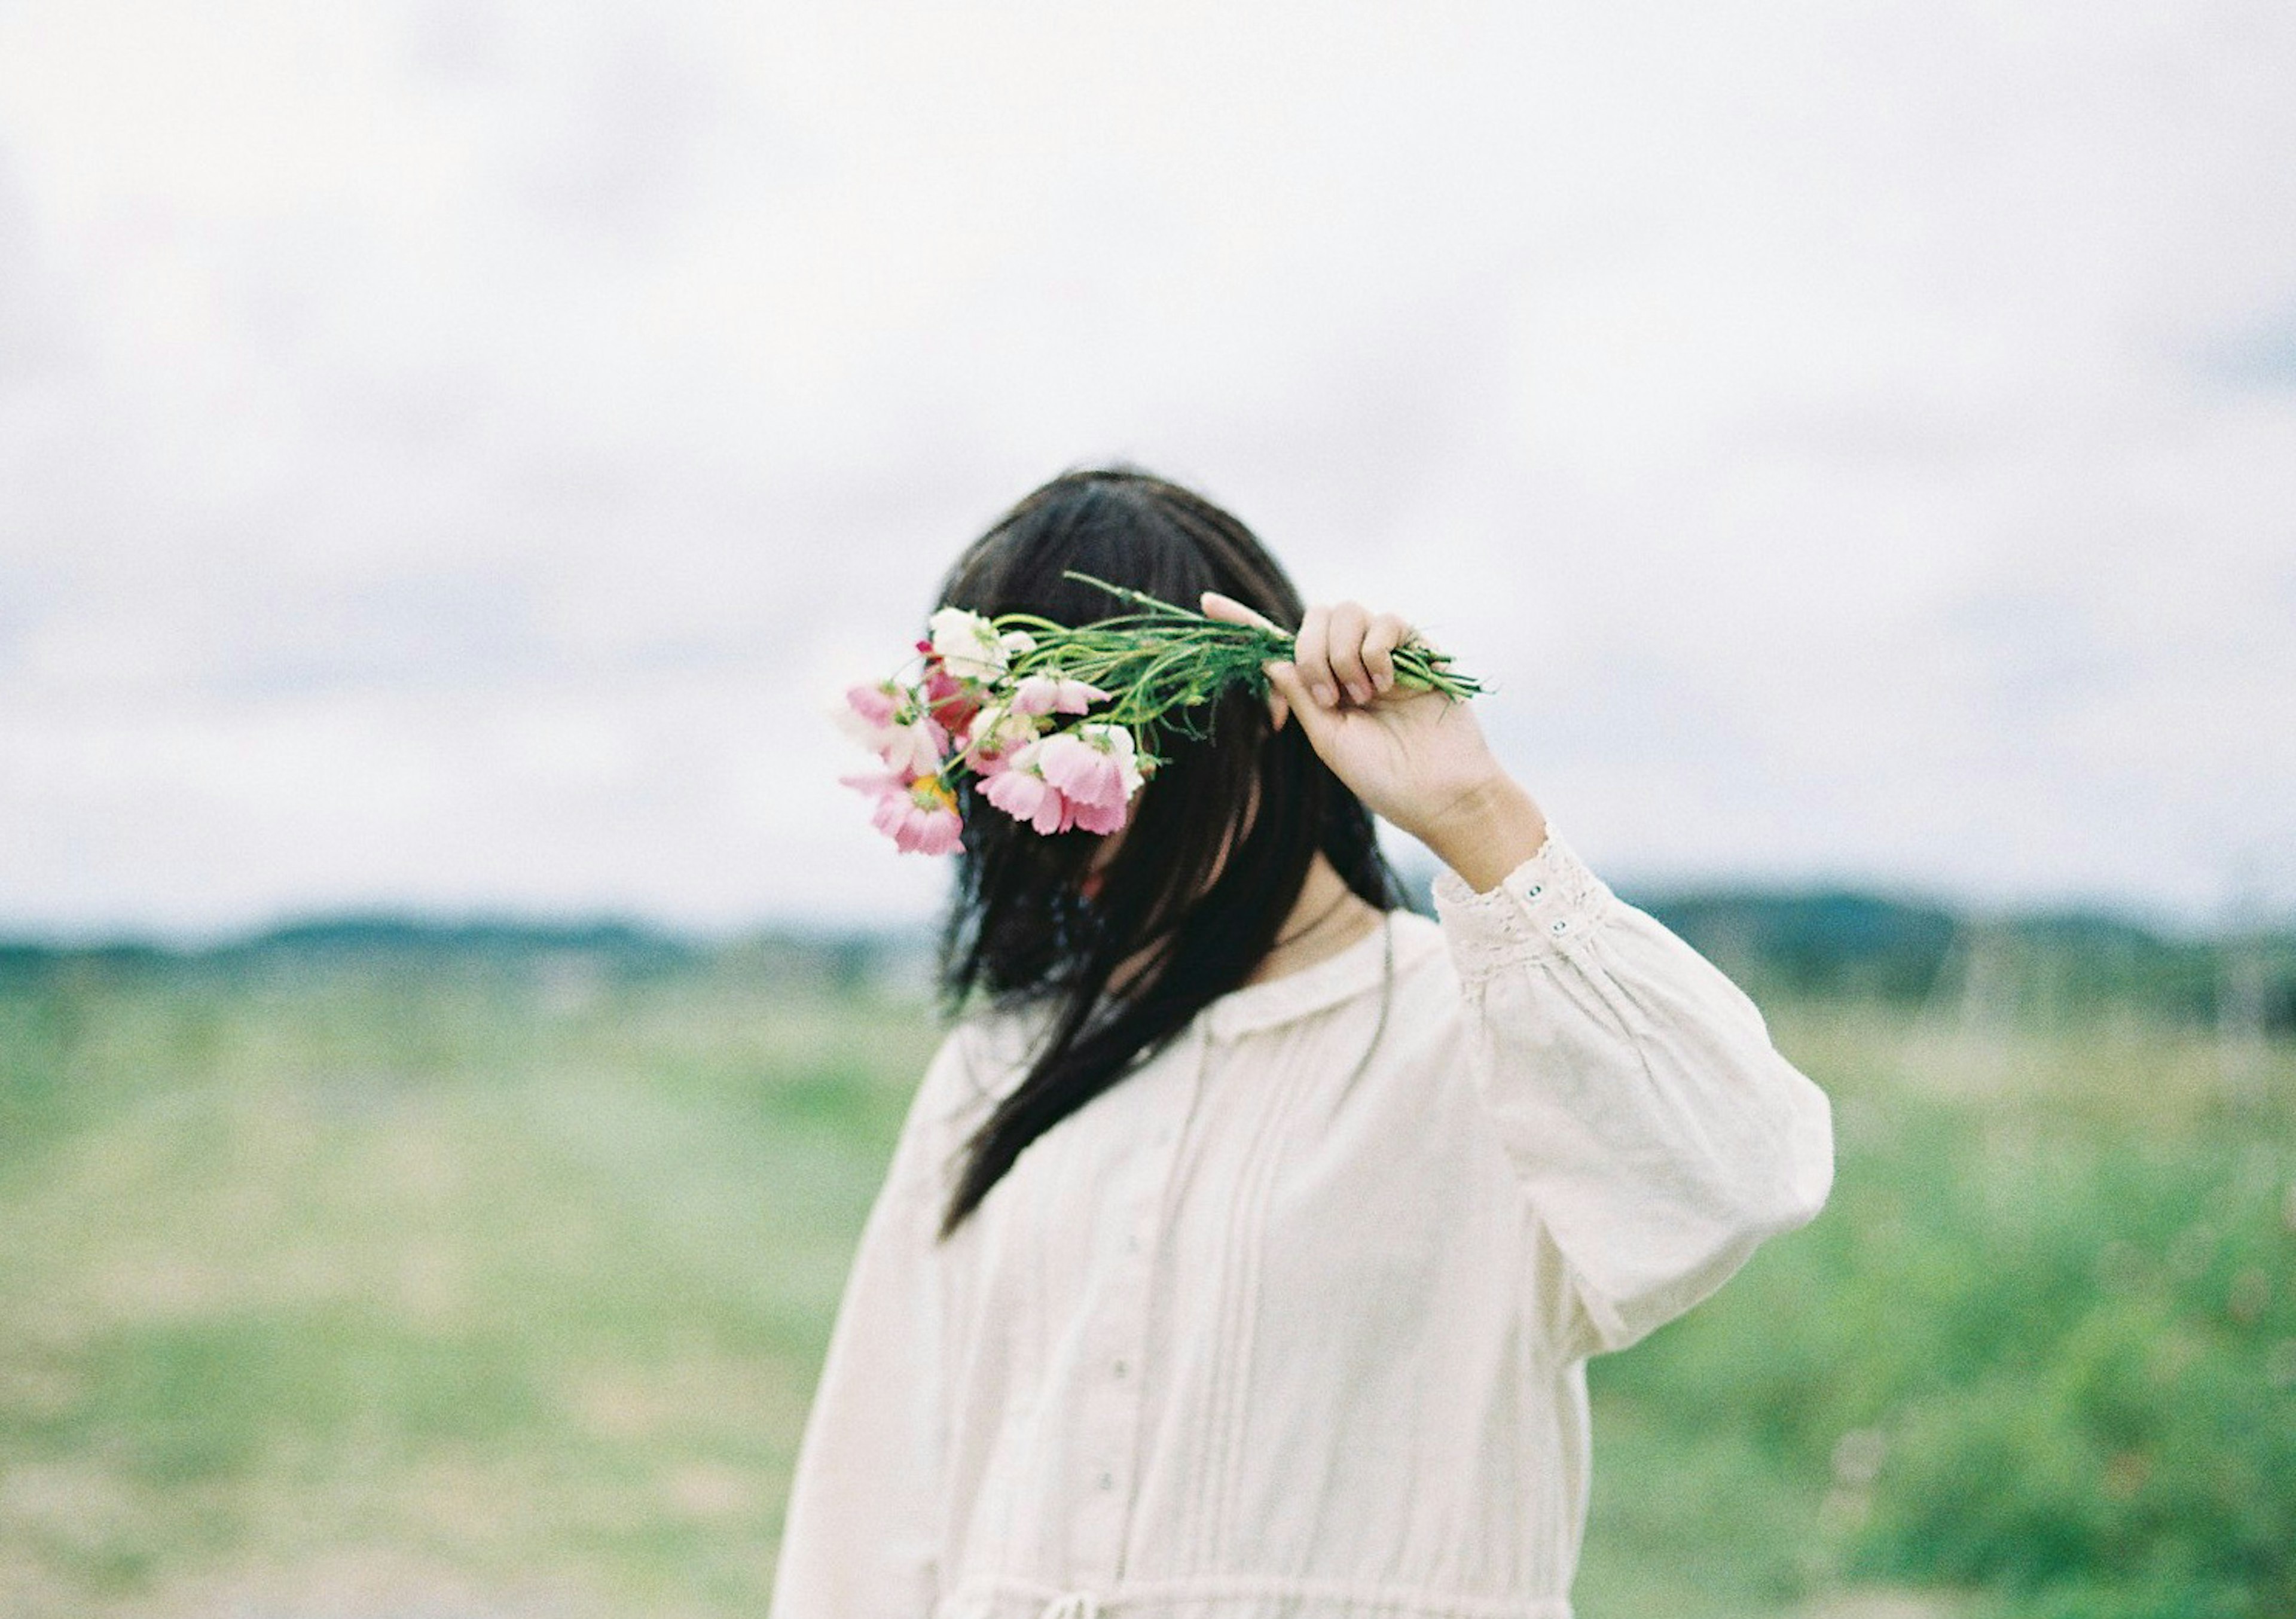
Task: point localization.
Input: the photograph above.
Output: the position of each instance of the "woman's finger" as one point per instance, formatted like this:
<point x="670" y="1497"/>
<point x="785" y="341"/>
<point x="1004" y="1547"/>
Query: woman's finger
<point x="1345" y="639"/>
<point x="1311" y="654"/>
<point x="1228" y="610"/>
<point x="1286" y="686"/>
<point x="1387" y="632"/>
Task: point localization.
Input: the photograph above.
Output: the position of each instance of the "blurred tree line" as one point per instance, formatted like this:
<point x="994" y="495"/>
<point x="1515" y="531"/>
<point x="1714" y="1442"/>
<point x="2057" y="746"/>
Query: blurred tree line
<point x="2029" y="968"/>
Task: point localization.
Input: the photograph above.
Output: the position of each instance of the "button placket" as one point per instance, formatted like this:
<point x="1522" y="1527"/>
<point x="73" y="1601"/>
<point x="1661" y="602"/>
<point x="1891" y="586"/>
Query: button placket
<point x="1110" y="1458"/>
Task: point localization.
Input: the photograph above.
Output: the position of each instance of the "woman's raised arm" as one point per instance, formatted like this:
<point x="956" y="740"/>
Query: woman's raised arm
<point x="1660" y="1135"/>
<point x="1658" y="1132"/>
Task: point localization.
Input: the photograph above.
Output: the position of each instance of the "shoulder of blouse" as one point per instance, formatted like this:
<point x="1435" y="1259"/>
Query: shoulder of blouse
<point x="981" y="1059"/>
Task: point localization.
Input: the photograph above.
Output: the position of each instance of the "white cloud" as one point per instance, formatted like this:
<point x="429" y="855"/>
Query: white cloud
<point x="429" y="437"/>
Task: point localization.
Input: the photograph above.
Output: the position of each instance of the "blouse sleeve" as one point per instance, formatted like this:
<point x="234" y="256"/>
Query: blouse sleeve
<point x="1659" y="1134"/>
<point x="862" y="1535"/>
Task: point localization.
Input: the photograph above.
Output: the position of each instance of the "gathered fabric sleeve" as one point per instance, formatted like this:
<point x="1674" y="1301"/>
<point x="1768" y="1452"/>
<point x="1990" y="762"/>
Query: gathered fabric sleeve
<point x="1658" y="1133"/>
<point x="863" y="1533"/>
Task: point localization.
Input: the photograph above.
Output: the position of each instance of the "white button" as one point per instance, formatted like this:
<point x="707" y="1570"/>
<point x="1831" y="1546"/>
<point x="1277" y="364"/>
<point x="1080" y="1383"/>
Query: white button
<point x="1108" y="1481"/>
<point x="1532" y="890"/>
<point x="1132" y="1245"/>
<point x="1121" y="1368"/>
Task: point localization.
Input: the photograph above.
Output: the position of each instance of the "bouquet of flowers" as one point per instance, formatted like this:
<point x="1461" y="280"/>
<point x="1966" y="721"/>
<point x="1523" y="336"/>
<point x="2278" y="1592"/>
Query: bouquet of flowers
<point x="1057" y="724"/>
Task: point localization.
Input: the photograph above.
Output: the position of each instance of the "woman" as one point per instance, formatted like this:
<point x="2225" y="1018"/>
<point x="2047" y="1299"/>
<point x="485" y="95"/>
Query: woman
<point x="1243" y="1248"/>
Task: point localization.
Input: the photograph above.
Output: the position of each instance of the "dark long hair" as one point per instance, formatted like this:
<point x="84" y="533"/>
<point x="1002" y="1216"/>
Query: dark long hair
<point x="1019" y="927"/>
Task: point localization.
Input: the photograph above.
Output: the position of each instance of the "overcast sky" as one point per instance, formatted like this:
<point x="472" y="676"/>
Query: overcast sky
<point x="450" y="453"/>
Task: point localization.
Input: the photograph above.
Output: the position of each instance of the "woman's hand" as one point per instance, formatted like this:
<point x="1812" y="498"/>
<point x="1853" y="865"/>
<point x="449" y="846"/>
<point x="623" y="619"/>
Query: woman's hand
<point x="1413" y="756"/>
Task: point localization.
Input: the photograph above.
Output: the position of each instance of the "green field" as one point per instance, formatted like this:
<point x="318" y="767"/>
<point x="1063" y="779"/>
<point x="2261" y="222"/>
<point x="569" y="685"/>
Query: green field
<point x="465" y="1284"/>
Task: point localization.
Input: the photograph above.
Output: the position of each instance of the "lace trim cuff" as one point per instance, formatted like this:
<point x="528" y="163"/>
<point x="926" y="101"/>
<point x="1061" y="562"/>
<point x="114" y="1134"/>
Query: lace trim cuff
<point x="1538" y="911"/>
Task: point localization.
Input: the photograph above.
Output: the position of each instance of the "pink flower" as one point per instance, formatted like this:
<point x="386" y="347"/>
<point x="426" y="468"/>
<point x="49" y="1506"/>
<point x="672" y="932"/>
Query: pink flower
<point x="887" y="718"/>
<point x="1085" y="776"/>
<point x="914" y="749"/>
<point x="1098" y="817"/>
<point x="1019" y="789"/>
<point x="919" y="815"/>
<point x="1055" y="694"/>
<point x="1092" y="764"/>
<point x="874" y="703"/>
<point x="949" y="701"/>
<point x="868" y="712"/>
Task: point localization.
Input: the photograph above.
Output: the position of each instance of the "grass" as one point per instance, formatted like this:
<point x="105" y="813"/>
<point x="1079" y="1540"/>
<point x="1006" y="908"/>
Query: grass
<point x="497" y="1288"/>
<point x="2037" y="1358"/>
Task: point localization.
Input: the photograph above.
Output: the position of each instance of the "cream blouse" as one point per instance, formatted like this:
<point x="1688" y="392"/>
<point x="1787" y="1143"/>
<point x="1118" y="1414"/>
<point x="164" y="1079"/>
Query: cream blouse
<point x="1291" y="1322"/>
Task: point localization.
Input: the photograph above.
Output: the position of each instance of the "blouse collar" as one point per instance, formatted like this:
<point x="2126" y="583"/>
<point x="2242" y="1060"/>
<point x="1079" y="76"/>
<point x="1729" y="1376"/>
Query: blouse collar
<point x="1338" y="977"/>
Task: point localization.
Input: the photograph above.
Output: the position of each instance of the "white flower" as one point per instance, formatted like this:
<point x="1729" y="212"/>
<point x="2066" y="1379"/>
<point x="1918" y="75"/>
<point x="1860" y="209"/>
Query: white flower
<point x="999" y="729"/>
<point x="968" y="647"/>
